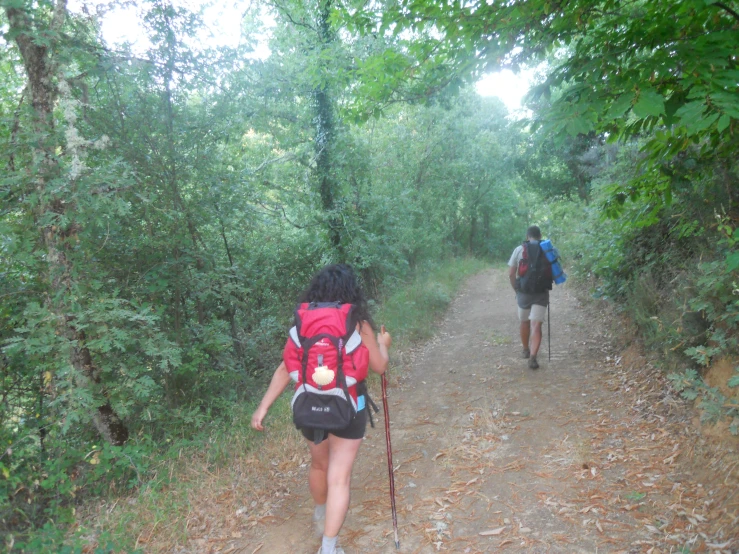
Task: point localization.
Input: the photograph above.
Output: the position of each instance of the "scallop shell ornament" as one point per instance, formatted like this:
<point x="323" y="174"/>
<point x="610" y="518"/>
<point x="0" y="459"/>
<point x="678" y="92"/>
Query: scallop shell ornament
<point x="322" y="375"/>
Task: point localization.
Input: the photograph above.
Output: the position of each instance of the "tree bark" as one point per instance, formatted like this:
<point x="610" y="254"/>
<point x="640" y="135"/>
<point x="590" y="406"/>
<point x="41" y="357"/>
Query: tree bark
<point x="41" y="68"/>
<point x="325" y="133"/>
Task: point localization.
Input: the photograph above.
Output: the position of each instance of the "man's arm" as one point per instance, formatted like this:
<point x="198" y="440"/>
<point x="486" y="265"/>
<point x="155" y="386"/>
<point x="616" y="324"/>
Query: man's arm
<point x="512" y="276"/>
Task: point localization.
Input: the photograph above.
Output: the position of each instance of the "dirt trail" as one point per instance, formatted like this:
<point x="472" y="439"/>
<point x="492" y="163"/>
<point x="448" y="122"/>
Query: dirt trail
<point x="586" y="454"/>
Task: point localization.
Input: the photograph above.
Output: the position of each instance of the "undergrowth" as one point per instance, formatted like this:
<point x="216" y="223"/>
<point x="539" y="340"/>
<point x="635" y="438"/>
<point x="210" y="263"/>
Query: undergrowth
<point x="151" y="496"/>
<point x="409" y="311"/>
<point x="675" y="276"/>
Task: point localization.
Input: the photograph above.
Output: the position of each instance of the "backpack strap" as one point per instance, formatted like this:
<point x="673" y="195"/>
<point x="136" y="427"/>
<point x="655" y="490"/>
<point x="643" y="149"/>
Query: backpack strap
<point x="352" y="338"/>
<point x="353" y="341"/>
<point x="524" y="261"/>
<point x="340" y="377"/>
<point x="535" y="258"/>
<point x="317" y="305"/>
<point x="363" y="390"/>
<point x="318" y="436"/>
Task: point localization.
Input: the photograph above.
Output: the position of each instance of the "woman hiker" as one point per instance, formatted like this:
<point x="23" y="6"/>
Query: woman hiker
<point x="332" y="458"/>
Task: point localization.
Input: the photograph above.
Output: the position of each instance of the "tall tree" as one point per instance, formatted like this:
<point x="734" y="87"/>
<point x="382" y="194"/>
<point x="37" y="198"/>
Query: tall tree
<point x="38" y="32"/>
<point x="325" y="114"/>
<point x="318" y="72"/>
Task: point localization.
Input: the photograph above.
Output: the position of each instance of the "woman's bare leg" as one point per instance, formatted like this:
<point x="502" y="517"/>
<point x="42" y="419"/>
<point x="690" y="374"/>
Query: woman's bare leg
<point x="341" y="456"/>
<point x="318" y="473"/>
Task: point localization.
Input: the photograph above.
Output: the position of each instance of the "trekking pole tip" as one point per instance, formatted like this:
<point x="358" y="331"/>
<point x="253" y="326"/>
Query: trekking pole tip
<point x="397" y="545"/>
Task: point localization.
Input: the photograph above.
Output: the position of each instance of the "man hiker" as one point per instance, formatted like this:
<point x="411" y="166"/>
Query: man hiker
<point x="530" y="274"/>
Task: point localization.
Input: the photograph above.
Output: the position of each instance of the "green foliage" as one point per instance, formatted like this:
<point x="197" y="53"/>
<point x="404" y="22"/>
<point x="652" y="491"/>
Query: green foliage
<point x="717" y="297"/>
<point x="669" y="268"/>
<point x="622" y="70"/>
<point x="711" y="401"/>
<point x="635" y="496"/>
<point x="410" y="311"/>
<point x="666" y="69"/>
<point x="52" y="538"/>
<point x="158" y="225"/>
<point x="558" y="169"/>
<point x="457" y="179"/>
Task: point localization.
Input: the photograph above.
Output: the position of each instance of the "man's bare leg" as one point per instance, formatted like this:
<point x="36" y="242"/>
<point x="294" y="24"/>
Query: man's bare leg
<point x="535" y="338"/>
<point x="525" y="334"/>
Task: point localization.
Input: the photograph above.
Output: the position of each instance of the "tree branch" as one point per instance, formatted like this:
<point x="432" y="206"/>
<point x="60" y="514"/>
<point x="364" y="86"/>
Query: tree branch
<point x="14" y="131"/>
<point x="284" y="158"/>
<point x="60" y="13"/>
<point x="293" y="21"/>
<point x="281" y="210"/>
<point x="723" y="6"/>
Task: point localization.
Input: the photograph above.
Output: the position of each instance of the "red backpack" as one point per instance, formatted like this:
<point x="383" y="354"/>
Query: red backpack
<point x="328" y="362"/>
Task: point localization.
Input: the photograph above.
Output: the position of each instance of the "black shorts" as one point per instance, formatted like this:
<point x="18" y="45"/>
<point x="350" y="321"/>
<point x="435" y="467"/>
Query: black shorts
<point x="355" y="429"/>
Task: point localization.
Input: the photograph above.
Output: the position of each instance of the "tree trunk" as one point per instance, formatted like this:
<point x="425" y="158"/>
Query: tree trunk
<point x="473" y="230"/>
<point x="487" y="235"/>
<point x="41" y="68"/>
<point x="325" y="133"/>
<point x="231" y="310"/>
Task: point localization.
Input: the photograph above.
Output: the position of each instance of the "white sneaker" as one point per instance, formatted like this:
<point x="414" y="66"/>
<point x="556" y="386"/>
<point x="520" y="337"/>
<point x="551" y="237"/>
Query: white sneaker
<point x="337" y="550"/>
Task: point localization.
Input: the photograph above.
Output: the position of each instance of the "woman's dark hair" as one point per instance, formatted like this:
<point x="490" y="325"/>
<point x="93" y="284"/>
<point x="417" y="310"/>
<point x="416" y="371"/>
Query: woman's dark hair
<point x="338" y="283"/>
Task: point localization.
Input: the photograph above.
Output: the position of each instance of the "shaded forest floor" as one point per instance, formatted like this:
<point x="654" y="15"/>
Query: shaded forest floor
<point x="590" y="453"/>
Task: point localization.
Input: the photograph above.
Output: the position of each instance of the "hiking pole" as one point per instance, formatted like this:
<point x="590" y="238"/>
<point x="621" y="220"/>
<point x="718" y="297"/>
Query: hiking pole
<point x="549" y="331"/>
<point x="390" y="470"/>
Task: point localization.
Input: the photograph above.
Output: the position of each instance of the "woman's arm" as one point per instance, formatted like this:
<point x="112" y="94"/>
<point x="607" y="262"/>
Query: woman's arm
<point x="280" y="380"/>
<point x="378" y="356"/>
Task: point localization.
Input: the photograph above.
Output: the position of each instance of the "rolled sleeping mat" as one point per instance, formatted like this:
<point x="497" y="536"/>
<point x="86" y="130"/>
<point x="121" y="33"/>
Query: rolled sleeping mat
<point x="552" y="255"/>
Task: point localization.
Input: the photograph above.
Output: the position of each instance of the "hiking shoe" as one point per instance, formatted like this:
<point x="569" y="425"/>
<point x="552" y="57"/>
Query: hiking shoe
<point x="533" y="364"/>
<point x="526" y="353"/>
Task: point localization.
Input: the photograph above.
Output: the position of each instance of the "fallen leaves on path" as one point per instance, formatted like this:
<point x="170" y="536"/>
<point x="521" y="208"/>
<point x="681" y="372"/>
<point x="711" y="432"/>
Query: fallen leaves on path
<point x="644" y="490"/>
